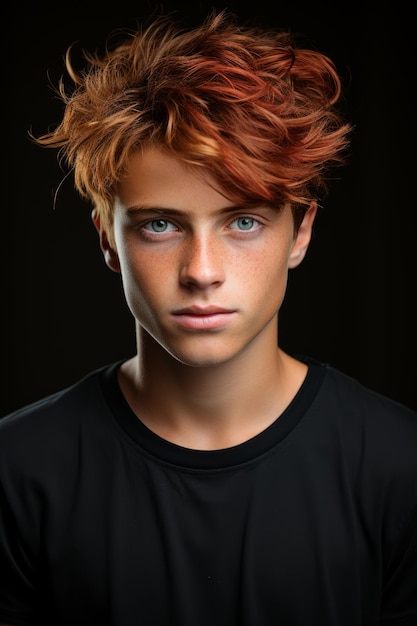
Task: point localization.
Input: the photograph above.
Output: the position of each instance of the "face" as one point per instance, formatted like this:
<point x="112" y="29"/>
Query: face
<point x="203" y="278"/>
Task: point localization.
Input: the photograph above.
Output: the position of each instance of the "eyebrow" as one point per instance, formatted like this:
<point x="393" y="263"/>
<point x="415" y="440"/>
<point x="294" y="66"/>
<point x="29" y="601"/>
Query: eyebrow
<point x="147" y="208"/>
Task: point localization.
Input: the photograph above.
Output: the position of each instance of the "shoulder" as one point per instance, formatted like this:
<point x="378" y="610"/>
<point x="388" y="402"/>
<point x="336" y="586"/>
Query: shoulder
<point x="55" y="405"/>
<point x="371" y="440"/>
<point x="365" y="406"/>
<point x="377" y="441"/>
<point x="373" y="428"/>
<point x="347" y="398"/>
<point x="48" y="426"/>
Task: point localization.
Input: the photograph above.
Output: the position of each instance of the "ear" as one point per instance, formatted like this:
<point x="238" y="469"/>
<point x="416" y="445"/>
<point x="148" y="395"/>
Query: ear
<point x="303" y="237"/>
<point x="110" y="254"/>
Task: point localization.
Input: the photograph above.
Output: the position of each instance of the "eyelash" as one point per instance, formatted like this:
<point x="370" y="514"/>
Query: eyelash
<point x="152" y="234"/>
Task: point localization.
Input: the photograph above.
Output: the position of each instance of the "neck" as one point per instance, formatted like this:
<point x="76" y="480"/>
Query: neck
<point x="214" y="406"/>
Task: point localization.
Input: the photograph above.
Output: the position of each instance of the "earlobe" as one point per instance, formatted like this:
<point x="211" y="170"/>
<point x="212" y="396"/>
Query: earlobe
<point x="303" y="237"/>
<point x="110" y="254"/>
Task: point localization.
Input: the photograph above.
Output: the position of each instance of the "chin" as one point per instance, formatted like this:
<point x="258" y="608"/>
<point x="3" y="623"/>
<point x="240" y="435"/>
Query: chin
<point x="202" y="361"/>
<point x="201" y="358"/>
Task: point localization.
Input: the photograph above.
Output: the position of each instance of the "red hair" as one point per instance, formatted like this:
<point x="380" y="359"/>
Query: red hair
<point x="243" y="102"/>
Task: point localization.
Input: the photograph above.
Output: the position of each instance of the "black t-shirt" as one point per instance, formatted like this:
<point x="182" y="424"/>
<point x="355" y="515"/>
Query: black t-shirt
<point x="310" y="523"/>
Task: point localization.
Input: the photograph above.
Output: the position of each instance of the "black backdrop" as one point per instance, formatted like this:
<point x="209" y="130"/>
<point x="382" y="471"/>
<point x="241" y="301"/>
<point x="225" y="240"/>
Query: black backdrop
<point x="351" y="303"/>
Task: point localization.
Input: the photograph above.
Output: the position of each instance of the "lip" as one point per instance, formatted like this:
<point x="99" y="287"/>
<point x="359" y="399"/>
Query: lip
<point x="203" y="317"/>
<point x="195" y="309"/>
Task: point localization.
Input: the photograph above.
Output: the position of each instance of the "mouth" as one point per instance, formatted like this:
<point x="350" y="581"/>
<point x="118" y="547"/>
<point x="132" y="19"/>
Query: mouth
<point x="203" y="318"/>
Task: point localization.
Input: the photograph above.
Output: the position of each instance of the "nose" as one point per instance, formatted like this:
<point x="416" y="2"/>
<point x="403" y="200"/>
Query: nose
<point x="202" y="264"/>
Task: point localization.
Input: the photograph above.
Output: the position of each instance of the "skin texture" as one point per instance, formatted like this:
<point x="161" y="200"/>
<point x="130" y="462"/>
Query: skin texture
<point x="204" y="280"/>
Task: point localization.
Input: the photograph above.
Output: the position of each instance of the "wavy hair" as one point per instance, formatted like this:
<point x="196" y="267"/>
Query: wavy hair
<point x="240" y="101"/>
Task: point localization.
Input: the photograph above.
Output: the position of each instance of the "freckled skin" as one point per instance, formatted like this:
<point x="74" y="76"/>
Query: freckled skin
<point x="204" y="255"/>
<point x="203" y="380"/>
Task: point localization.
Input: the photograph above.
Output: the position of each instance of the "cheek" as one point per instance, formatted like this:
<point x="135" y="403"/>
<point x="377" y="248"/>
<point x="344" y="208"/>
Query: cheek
<point x="269" y="284"/>
<point x="269" y="264"/>
<point x="145" y="275"/>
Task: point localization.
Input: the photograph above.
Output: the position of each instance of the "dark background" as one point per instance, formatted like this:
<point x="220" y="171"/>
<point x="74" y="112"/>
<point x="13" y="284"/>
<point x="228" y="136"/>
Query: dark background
<point x="351" y="303"/>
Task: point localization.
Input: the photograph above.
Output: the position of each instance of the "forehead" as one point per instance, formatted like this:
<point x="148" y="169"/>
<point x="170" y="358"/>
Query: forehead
<point x="156" y="178"/>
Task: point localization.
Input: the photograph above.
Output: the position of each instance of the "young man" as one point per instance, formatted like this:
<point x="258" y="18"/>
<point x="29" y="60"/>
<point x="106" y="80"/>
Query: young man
<point x="213" y="478"/>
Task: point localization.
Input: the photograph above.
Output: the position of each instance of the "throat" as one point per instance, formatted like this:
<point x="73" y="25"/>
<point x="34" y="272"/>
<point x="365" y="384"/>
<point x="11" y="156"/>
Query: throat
<point x="212" y="412"/>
